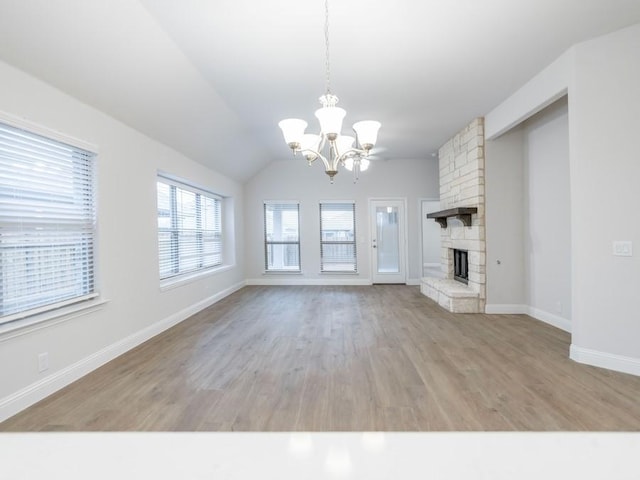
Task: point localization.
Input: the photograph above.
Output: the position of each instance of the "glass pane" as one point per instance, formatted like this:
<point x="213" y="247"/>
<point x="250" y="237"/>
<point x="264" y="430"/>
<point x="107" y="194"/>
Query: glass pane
<point x="189" y="230"/>
<point x="338" y="257"/>
<point x="281" y="234"/>
<point x="186" y="210"/>
<point x="337" y="237"/>
<point x="164" y="206"/>
<point x="388" y="249"/>
<point x="281" y="223"/>
<point x="283" y="257"/>
<point x="337" y="223"/>
<point x="46" y="222"/>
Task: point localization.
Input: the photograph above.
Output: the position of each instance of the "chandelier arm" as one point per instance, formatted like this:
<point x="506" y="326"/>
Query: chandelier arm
<point x="333" y="155"/>
<point x="327" y="165"/>
<point x="359" y="152"/>
<point x="323" y="141"/>
<point x="306" y="151"/>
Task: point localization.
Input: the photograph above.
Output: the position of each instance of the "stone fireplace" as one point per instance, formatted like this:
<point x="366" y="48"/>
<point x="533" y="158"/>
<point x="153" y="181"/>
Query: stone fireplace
<point x="463" y="222"/>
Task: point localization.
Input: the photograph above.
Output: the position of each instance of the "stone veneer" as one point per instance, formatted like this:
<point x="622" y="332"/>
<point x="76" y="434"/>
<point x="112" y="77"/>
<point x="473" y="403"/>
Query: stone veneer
<point x="462" y="185"/>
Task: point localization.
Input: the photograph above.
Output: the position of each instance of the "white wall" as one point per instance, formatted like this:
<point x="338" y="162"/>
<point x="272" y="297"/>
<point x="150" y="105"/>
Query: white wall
<point x="540" y="91"/>
<point x="504" y="191"/>
<point x="604" y="121"/>
<point x="127" y="247"/>
<point x="602" y="77"/>
<point x="292" y="179"/>
<point x="431" y="233"/>
<point x="547" y="226"/>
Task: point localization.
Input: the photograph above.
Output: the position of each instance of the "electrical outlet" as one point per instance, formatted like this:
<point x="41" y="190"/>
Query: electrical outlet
<point x="622" y="248"/>
<point x="558" y="307"/>
<point x="43" y="361"/>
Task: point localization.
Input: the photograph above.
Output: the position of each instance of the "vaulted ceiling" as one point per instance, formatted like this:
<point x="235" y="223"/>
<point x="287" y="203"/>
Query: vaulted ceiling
<point x="212" y="78"/>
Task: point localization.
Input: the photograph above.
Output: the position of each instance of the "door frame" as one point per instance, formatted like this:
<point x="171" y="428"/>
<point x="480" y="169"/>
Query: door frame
<point x="404" y="253"/>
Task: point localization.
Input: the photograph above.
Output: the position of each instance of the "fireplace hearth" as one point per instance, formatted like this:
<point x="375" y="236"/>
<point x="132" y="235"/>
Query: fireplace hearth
<point x="461" y="266"/>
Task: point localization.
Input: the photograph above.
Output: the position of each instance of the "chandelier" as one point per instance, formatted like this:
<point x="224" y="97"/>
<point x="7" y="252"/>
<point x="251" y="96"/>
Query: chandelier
<point x="341" y="149"/>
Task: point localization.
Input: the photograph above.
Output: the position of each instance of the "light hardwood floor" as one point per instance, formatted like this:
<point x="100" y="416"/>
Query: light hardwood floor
<point x="343" y="359"/>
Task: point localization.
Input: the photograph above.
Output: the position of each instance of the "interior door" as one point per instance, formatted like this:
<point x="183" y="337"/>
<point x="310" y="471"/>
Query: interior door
<point x="388" y="241"/>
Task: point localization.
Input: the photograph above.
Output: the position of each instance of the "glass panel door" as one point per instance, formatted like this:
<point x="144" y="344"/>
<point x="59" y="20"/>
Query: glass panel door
<point x="388" y="241"/>
<point x="387" y="248"/>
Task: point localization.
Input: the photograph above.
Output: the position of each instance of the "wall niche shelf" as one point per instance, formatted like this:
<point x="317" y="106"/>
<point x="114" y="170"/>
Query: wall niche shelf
<point x="461" y="213"/>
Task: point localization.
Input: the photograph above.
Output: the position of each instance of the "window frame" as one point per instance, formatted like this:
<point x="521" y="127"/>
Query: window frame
<point x="323" y="242"/>
<point x="85" y="173"/>
<point x="218" y="232"/>
<point x="268" y="243"/>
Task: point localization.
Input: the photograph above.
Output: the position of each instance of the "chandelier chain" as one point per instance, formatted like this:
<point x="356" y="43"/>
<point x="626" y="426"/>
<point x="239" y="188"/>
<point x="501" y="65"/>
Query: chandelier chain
<point x="326" y="45"/>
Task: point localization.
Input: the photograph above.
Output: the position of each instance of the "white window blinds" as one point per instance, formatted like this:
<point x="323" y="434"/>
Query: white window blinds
<point x="189" y="228"/>
<point x="47" y="224"/>
<point x="281" y="237"/>
<point x="338" y="237"/>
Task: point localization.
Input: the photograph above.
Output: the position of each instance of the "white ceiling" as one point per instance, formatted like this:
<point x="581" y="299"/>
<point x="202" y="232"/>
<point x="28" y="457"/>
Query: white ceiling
<point x="213" y="78"/>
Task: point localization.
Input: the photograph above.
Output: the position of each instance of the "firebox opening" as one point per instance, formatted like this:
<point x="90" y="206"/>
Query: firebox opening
<point x="460" y="266"/>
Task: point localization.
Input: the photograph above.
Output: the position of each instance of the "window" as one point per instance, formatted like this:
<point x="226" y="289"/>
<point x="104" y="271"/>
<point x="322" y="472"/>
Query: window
<point x="281" y="237"/>
<point x="47" y="224"/>
<point x="189" y="228"/>
<point x="338" y="237"/>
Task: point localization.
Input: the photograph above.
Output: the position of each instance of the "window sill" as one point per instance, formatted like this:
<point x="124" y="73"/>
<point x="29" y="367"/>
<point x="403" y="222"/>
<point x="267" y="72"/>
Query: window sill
<point x="339" y="273"/>
<point x="281" y="272"/>
<point x="33" y="323"/>
<point x="187" y="278"/>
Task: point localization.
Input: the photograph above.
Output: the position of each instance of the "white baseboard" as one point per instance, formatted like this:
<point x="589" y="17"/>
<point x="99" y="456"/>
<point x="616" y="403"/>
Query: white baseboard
<point x="550" y="318"/>
<point x="546" y="317"/>
<point x="284" y="280"/>
<point x="278" y="281"/>
<point x="41" y="389"/>
<point x="606" y="360"/>
<point x="506" y="309"/>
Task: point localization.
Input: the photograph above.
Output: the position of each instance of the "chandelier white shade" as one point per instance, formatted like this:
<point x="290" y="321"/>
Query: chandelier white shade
<point x="341" y="149"/>
<point x="367" y="131"/>
<point x="293" y="131"/>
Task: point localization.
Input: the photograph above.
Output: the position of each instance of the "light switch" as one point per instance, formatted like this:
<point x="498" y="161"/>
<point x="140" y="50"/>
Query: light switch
<point x="622" y="248"/>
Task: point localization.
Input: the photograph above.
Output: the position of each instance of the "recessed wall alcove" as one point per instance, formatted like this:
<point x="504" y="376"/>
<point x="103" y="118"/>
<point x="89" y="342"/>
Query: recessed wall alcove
<point x="528" y="218"/>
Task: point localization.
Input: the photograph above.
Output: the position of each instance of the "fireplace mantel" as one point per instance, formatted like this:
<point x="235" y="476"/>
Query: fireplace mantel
<point x="461" y="213"/>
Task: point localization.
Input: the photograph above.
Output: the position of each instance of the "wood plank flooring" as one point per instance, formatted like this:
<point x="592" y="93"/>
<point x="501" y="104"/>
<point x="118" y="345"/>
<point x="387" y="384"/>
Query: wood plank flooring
<point x="325" y="358"/>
